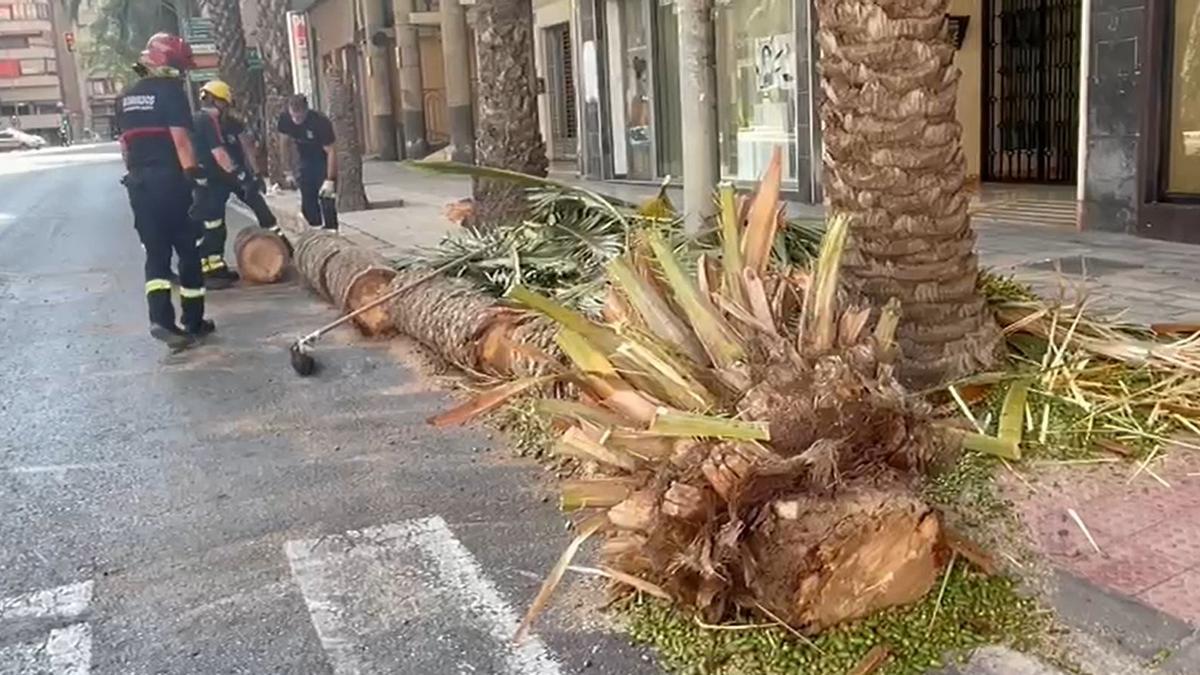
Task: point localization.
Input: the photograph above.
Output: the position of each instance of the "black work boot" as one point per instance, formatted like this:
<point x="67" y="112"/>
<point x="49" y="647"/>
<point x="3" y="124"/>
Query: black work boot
<point x="175" y="339"/>
<point x="205" y="327"/>
<point x="220" y="279"/>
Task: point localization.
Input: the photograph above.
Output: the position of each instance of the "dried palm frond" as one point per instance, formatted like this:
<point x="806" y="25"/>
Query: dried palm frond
<point x="571" y="234"/>
<point x="753" y="468"/>
<point x="1094" y="382"/>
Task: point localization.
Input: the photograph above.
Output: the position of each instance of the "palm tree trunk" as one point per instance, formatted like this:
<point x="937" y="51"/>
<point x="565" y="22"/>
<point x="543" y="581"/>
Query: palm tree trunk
<point x="226" y="16"/>
<point x="343" y="112"/>
<point x="894" y="165"/>
<point x="508" y="134"/>
<point x="277" y="78"/>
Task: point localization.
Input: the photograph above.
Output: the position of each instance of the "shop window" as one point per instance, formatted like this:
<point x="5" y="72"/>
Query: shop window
<point x="756" y="86"/>
<point x="1183" y="145"/>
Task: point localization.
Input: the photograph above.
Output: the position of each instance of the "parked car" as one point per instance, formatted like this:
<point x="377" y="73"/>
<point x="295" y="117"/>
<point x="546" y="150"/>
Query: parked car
<point x="15" y="139"/>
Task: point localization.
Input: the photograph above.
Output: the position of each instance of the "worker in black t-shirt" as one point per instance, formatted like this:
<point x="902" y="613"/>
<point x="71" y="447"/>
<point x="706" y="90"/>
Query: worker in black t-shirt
<point x="163" y="181"/>
<point x="226" y="150"/>
<point x="313" y="134"/>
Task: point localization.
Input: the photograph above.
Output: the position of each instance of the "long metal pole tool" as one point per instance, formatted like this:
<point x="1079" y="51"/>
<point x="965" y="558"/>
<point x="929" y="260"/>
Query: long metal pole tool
<point x="302" y="360"/>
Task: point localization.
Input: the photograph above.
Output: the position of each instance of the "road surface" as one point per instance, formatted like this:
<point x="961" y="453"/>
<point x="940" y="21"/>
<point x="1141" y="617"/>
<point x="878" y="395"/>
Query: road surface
<point x="210" y="512"/>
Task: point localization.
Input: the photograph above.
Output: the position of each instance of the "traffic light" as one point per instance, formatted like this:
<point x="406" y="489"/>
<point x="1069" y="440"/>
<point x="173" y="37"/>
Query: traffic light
<point x="69" y="38"/>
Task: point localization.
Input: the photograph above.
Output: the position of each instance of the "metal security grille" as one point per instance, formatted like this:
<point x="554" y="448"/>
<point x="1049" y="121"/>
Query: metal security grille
<point x="560" y="87"/>
<point x="1031" y="90"/>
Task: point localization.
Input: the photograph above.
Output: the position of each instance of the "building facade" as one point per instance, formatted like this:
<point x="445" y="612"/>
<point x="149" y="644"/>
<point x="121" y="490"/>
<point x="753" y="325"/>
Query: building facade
<point x="30" y="93"/>
<point x="1093" y="105"/>
<point x="98" y="88"/>
<point x="1154" y="48"/>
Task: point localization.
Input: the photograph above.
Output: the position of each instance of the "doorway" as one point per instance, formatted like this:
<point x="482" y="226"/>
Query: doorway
<point x="1031" y="61"/>
<point x="560" y="90"/>
<point x="666" y="71"/>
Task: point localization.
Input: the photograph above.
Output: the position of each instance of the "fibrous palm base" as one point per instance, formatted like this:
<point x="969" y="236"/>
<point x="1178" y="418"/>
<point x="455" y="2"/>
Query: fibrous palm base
<point x="744" y="456"/>
<point x="818" y="526"/>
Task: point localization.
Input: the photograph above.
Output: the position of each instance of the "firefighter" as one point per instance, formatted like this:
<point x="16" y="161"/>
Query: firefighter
<point x="163" y="180"/>
<point x="228" y="153"/>
<point x="313" y="134"/>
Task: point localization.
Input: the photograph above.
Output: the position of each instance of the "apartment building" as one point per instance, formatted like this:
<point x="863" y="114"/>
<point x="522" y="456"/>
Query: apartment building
<point x="30" y="92"/>
<point x="98" y="88"/>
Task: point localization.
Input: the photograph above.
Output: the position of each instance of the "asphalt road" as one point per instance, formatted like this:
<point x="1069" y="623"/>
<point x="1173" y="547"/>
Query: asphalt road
<point x="210" y="512"/>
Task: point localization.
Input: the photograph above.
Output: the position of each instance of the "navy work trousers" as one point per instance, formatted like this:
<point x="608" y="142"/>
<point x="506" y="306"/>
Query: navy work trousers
<point x="160" y="199"/>
<point x="317" y="210"/>
<point x="211" y="240"/>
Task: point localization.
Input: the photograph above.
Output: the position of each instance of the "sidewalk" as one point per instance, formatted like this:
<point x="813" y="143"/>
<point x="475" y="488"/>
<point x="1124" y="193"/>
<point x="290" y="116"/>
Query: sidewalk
<point x="1141" y="592"/>
<point x="1150" y="280"/>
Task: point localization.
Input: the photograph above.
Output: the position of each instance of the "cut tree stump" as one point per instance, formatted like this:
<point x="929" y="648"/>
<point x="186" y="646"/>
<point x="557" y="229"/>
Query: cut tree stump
<point x="823" y="560"/>
<point x="262" y="255"/>
<point x="314" y="249"/>
<point x="354" y="277"/>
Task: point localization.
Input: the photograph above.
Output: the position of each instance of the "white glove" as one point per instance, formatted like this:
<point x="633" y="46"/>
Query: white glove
<point x="327" y="190"/>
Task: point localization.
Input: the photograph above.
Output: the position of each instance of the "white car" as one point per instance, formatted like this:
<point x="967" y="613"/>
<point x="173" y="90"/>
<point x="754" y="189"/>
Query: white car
<point x="15" y="139"/>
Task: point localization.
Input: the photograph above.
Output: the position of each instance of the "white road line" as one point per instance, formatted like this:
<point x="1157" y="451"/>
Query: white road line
<point x="380" y="591"/>
<point x="58" y="468"/>
<point x="70" y="650"/>
<point x="67" y="651"/>
<point x="64" y="602"/>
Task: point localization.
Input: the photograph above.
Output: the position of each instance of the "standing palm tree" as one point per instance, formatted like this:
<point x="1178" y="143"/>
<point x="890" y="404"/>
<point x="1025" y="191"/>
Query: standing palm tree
<point x="277" y="78"/>
<point x="226" y="16"/>
<point x="343" y="112"/>
<point x="508" y="135"/>
<point x="894" y="166"/>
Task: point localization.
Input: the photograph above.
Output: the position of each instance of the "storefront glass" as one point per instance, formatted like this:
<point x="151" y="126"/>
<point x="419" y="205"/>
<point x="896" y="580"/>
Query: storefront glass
<point x="638" y="96"/>
<point x="1183" y="151"/>
<point x="666" y="74"/>
<point x="756" y="86"/>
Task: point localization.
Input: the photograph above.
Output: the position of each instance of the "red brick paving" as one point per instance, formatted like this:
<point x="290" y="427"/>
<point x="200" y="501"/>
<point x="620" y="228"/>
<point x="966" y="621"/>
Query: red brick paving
<point x="1148" y="534"/>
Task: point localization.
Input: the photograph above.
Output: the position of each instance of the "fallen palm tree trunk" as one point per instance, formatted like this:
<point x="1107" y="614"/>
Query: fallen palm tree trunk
<point x="471" y="330"/>
<point x="262" y="256"/>
<point x="314" y="249"/>
<point x="355" y="276"/>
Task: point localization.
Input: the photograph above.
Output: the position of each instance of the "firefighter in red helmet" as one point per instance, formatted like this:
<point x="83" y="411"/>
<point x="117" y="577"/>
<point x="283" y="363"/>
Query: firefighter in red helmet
<point x="163" y="180"/>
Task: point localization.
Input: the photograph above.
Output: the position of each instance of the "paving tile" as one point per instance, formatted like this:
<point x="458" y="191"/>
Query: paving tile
<point x="1124" y="568"/>
<point x="1176" y="538"/>
<point x="1179" y="595"/>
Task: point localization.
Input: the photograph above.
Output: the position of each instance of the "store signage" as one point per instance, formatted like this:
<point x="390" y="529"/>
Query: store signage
<point x="298" y="45"/>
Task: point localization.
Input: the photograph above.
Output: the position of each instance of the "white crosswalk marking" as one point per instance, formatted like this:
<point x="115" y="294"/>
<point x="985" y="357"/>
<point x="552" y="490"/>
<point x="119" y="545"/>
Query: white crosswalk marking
<point x="66" y="650"/>
<point x="409" y="593"/>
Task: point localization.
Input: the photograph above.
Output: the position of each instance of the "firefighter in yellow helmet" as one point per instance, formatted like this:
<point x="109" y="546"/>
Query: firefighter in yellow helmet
<point x="227" y="150"/>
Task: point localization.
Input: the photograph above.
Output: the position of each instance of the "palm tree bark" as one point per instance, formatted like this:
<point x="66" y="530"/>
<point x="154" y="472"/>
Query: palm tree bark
<point x="277" y="78"/>
<point x="894" y="166"/>
<point x="226" y="16"/>
<point x="343" y="112"/>
<point x="508" y="135"/>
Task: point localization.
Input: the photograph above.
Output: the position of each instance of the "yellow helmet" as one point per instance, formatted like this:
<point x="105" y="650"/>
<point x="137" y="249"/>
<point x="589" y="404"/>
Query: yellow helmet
<point x="218" y="90"/>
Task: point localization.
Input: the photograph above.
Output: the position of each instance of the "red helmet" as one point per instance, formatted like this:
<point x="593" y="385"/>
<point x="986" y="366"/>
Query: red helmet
<point x="166" y="50"/>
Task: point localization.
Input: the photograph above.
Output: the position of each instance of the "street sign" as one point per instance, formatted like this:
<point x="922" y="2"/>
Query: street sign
<point x="199" y="30"/>
<point x="203" y="75"/>
<point x="253" y="59"/>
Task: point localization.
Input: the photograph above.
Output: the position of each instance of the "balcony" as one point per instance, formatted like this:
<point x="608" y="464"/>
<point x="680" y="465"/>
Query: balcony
<point x="29" y="82"/>
<point x="31" y="123"/>
<point x="26" y="27"/>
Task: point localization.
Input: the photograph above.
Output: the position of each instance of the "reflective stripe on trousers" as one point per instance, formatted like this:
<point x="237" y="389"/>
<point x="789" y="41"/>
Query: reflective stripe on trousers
<point x="158" y="285"/>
